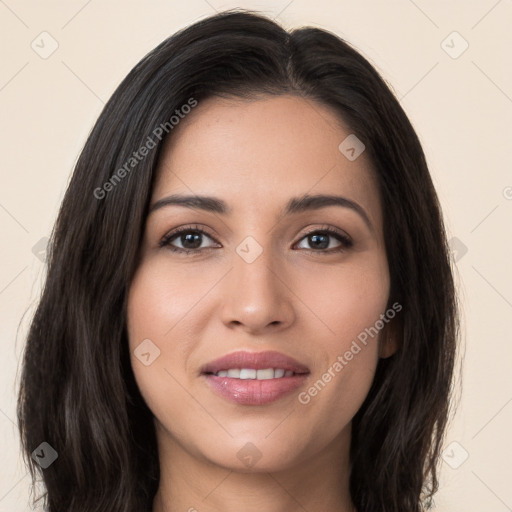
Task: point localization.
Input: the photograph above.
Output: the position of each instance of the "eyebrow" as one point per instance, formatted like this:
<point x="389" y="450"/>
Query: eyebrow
<point x="295" y="205"/>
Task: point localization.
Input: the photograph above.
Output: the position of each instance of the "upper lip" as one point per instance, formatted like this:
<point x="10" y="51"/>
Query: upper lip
<point x="255" y="360"/>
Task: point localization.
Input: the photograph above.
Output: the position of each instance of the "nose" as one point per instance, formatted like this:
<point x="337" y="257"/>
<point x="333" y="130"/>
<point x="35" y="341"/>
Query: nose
<point x="256" y="296"/>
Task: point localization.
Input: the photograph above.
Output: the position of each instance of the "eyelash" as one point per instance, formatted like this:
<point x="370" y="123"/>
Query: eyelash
<point x="346" y="242"/>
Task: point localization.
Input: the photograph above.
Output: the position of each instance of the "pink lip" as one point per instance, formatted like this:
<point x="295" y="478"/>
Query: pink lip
<point x="253" y="391"/>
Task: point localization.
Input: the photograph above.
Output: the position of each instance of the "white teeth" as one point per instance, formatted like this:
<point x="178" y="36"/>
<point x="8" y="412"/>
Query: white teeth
<point x="251" y="373"/>
<point x="247" y="374"/>
<point x="268" y="373"/>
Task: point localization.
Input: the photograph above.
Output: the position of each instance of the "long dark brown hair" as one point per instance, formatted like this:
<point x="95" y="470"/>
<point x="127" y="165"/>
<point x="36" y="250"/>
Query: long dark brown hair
<point x="77" y="389"/>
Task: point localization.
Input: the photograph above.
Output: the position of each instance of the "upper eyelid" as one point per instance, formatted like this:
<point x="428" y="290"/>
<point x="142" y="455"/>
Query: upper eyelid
<point x="186" y="229"/>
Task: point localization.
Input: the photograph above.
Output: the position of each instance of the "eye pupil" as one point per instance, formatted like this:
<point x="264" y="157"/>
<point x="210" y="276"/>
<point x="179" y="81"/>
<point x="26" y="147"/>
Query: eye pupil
<point x="317" y="238"/>
<point x="194" y="238"/>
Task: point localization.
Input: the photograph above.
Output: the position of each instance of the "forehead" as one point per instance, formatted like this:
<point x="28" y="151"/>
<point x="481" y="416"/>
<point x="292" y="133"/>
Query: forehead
<point x="259" y="153"/>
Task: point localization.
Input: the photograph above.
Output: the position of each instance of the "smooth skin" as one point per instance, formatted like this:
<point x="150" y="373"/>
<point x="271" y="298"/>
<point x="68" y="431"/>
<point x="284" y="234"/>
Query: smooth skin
<point x="307" y="302"/>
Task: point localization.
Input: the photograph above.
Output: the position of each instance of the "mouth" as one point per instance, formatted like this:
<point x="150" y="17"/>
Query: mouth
<point x="252" y="378"/>
<point x="254" y="374"/>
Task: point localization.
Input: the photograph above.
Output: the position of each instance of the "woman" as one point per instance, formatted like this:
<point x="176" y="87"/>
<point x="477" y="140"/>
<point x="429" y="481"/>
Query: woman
<point x="249" y="302"/>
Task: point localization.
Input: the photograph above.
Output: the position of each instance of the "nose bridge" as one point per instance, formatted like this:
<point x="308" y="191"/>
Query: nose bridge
<point x="255" y="267"/>
<point x="256" y="296"/>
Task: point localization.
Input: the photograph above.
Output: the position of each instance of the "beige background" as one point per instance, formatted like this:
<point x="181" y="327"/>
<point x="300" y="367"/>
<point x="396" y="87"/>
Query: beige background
<point x="461" y="108"/>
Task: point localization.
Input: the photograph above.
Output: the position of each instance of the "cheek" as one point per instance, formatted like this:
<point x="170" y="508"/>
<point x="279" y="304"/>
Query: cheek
<point x="153" y="309"/>
<point x="348" y="303"/>
<point x="346" y="300"/>
<point x="165" y="307"/>
<point x="162" y="299"/>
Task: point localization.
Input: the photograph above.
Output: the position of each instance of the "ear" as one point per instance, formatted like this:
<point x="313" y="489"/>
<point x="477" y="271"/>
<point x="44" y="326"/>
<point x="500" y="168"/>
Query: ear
<point x="390" y="339"/>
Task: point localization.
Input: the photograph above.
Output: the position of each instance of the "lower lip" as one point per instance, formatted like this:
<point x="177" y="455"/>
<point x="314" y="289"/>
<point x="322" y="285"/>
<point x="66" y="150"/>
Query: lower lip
<point x="253" y="391"/>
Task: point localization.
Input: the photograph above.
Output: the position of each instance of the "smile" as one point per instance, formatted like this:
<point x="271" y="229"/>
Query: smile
<point x="251" y="373"/>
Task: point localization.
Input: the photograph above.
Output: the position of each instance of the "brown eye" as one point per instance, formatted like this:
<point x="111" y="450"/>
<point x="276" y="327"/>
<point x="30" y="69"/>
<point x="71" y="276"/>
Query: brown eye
<point x="320" y="241"/>
<point x="188" y="239"/>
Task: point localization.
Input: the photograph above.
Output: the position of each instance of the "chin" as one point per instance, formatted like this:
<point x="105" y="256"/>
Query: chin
<point x="253" y="455"/>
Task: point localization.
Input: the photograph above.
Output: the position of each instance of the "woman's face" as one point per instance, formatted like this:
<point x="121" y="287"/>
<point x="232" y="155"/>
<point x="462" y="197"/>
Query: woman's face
<point x="264" y="277"/>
